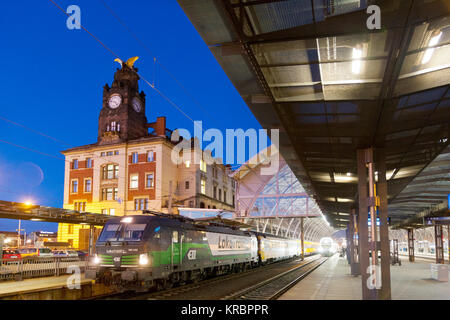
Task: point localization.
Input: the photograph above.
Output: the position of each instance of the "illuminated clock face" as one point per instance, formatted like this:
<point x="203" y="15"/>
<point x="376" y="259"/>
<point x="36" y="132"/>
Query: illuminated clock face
<point x="137" y="105"/>
<point x="114" y="101"/>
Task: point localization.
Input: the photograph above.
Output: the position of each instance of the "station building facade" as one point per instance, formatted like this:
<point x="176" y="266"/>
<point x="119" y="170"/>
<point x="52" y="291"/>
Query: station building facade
<point x="130" y="169"/>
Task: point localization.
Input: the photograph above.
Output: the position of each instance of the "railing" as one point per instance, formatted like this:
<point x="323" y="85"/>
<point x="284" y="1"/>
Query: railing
<point x="33" y="267"/>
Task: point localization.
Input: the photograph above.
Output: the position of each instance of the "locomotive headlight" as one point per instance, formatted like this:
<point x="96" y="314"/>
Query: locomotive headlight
<point x="96" y="259"/>
<point x="143" y="259"/>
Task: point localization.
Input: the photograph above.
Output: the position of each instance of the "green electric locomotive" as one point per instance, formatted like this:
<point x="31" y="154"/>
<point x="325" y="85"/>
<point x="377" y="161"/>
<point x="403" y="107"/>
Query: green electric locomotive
<point x="142" y="251"/>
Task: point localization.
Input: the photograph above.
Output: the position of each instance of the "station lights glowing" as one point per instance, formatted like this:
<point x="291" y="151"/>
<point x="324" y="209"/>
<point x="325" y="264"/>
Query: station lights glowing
<point x="143" y="259"/>
<point x="127" y="220"/>
<point x="356" y="63"/>
<point x="28" y="203"/>
<point x="349" y="174"/>
<point x="96" y="259"/>
<point x="429" y="52"/>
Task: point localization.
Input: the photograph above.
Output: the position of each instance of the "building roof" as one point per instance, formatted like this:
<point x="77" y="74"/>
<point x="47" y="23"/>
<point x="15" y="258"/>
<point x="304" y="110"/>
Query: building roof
<point x="330" y="85"/>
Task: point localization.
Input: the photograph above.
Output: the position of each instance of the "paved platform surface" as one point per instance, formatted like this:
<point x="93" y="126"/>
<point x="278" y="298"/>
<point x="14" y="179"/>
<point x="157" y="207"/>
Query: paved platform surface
<point x="332" y="281"/>
<point x="34" y="285"/>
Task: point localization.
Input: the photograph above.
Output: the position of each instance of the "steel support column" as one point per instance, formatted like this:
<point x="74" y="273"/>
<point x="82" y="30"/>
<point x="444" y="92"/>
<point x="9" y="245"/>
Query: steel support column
<point x="91" y="240"/>
<point x="302" y="238"/>
<point x="439" y="243"/>
<point x="354" y="258"/>
<point x="363" y="200"/>
<point x="448" y="243"/>
<point x="382" y="193"/>
<point x="411" y="245"/>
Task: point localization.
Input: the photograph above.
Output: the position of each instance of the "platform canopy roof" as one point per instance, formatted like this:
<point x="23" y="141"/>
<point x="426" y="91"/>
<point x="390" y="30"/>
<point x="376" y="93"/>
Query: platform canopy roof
<point x="312" y="69"/>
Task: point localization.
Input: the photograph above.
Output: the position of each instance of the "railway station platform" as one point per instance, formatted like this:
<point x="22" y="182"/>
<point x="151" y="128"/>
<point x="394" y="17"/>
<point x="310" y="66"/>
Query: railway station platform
<point x="333" y="281"/>
<point x="50" y="288"/>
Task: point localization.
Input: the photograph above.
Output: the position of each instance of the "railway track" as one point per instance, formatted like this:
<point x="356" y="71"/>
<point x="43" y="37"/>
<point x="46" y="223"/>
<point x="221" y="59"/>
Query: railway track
<point x="274" y="287"/>
<point x="216" y="282"/>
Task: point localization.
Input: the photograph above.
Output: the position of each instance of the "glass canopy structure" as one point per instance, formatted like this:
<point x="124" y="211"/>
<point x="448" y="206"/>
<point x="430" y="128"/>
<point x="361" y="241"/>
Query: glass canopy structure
<point x="277" y="203"/>
<point x="314" y="69"/>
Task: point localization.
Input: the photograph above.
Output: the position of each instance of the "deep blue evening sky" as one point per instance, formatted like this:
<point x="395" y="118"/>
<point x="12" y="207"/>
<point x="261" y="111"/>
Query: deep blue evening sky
<point x="52" y="80"/>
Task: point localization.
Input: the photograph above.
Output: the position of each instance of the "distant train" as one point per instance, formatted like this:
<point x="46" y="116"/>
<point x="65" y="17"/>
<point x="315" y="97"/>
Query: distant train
<point x="327" y="247"/>
<point x="159" y="250"/>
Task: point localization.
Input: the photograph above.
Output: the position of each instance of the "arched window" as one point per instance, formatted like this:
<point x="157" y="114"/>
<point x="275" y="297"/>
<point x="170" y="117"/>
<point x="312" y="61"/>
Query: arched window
<point x="202" y="204"/>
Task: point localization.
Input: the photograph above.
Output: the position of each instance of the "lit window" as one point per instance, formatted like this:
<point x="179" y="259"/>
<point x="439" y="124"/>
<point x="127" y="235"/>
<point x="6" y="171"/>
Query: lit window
<point x="87" y="185"/>
<point x="105" y="211"/>
<point x="70" y="229"/>
<point x="187" y="163"/>
<point x="112" y="212"/>
<point x="203" y="165"/>
<point x="141" y="204"/>
<point x="113" y="126"/>
<point x="150" y="180"/>
<point x="203" y="186"/>
<point x="109" y="194"/>
<point x="134" y="181"/>
<point x="88" y="162"/>
<point x="75" y="164"/>
<point x="74" y="186"/>
<point x="79" y="206"/>
<point x="150" y="156"/>
<point x="134" y="157"/>
<point x="110" y="171"/>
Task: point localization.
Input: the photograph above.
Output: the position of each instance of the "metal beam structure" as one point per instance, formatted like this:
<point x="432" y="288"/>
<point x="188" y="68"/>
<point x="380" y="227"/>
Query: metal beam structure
<point x="22" y="211"/>
<point x="411" y="245"/>
<point x="314" y="70"/>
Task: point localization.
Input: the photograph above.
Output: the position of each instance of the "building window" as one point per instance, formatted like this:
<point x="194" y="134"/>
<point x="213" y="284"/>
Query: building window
<point x="149" y="180"/>
<point x="109" y="153"/>
<point x="112" y="212"/>
<point x="215" y="192"/>
<point x="75" y="164"/>
<point x="186" y="185"/>
<point x="110" y="171"/>
<point x="141" y="204"/>
<point x="224" y="196"/>
<point x="187" y="163"/>
<point x="134" y="181"/>
<point x="88" y="185"/>
<point x="116" y="152"/>
<point x="102" y="154"/>
<point x="150" y="156"/>
<point x="203" y="186"/>
<point x="233" y="183"/>
<point x="105" y="211"/>
<point x="233" y="199"/>
<point x="220" y="194"/>
<point x="113" y="126"/>
<point x="88" y="162"/>
<point x="74" y="186"/>
<point x="109" y="194"/>
<point x="79" y="206"/>
<point x="191" y="204"/>
<point x="134" y="157"/>
<point x="202" y="165"/>
<point x="70" y="229"/>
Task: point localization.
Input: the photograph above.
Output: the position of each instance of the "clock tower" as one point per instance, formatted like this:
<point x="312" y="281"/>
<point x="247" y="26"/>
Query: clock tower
<point x="122" y="117"/>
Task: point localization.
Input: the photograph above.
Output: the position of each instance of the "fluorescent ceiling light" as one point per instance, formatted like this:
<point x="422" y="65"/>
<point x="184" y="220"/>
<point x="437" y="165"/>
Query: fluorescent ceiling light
<point x="356" y="64"/>
<point x="429" y="52"/>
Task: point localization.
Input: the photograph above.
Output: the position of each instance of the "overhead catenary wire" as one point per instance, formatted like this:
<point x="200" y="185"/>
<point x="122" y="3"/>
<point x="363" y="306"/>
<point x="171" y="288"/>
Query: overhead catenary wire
<point x="171" y="102"/>
<point x="156" y="61"/>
